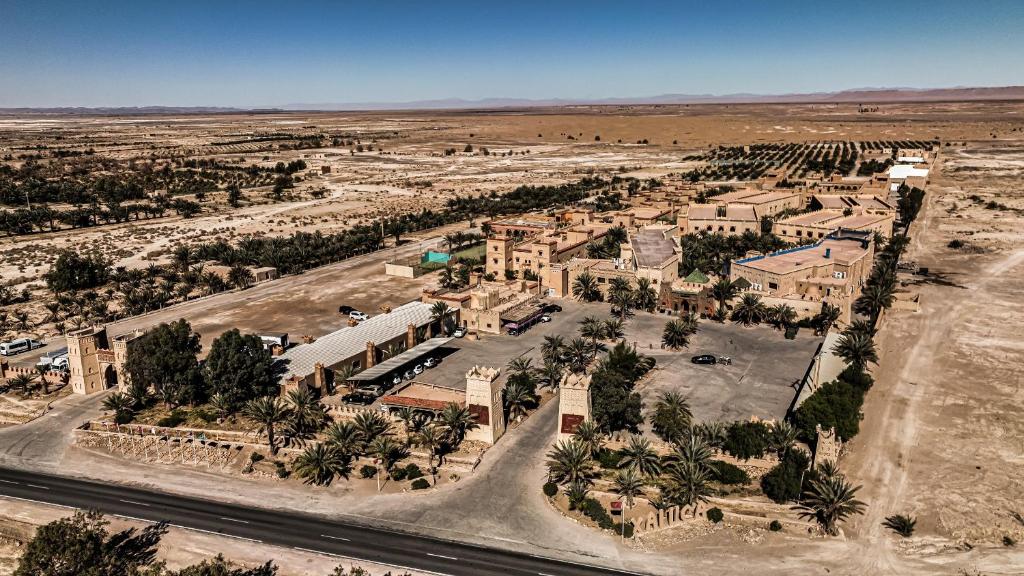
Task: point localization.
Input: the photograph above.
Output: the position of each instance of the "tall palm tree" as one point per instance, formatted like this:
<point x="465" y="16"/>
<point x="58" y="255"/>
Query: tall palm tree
<point x="620" y="294"/>
<point x="438" y="312"/>
<point x="613" y="329"/>
<point x="550" y="374"/>
<point x="829" y="501"/>
<point x="826" y="318"/>
<point x="873" y="298"/>
<point x="578" y="355"/>
<point x="723" y="291"/>
<point x="240" y="276"/>
<point x="585" y="288"/>
<point x="593" y="328"/>
<point x="371" y="425"/>
<point x="687" y="484"/>
<point x="675" y="335"/>
<point x="386" y="451"/>
<point x="268" y="412"/>
<point x="783" y="437"/>
<point x="521" y="365"/>
<point x="691" y="322"/>
<point x="407" y="415"/>
<point x="645" y="297"/>
<point x="857" y="350"/>
<point x="860" y="327"/>
<point x="553" y="349"/>
<point x="750" y="310"/>
<point x="120" y="404"/>
<point x="431" y="438"/>
<point x="457" y="421"/>
<point x="639" y="455"/>
<point x="628" y="484"/>
<point x="346" y="437"/>
<point x="691" y="448"/>
<point x="589" y="434"/>
<point x="782" y="315"/>
<point x="307" y="414"/>
<point x="672" y="416"/>
<point x="518" y="399"/>
<point x="320" y="463"/>
<point x="569" y="462"/>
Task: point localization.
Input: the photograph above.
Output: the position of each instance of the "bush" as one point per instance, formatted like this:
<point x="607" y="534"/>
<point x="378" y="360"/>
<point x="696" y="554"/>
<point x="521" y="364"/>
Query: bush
<point x="955" y="244"/>
<point x="550" y="489"/>
<point x="123" y="416"/>
<point x="609" y="459"/>
<point x="256" y="457"/>
<point x="420" y="484"/>
<point x="174" y="419"/>
<point x="412" y="472"/>
<point x="782" y="483"/>
<point x="367" y="471"/>
<point x="282" y="472"/>
<point x="834" y="405"/>
<point x="775" y="526"/>
<point x="746" y="440"/>
<point x="626" y="530"/>
<point x="727" y="473"/>
<point x="398" y="474"/>
<point x="595" y="511"/>
<point x="715" y="515"/>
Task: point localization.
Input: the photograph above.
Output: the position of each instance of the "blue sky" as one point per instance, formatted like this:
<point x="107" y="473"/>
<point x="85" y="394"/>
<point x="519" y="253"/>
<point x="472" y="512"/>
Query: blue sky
<point x="254" y="53"/>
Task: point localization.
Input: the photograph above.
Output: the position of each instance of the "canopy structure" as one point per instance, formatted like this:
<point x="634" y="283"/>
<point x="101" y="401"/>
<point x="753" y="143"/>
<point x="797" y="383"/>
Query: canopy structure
<point x="396" y="362"/>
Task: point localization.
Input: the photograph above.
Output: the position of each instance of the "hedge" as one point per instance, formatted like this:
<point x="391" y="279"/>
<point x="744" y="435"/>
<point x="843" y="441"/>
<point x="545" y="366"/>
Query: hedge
<point x="715" y="515"/>
<point x="420" y="484"/>
<point x="727" y="473"/>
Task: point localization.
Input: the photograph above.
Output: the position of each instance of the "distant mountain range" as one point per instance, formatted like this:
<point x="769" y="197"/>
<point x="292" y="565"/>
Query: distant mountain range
<point x="861" y="95"/>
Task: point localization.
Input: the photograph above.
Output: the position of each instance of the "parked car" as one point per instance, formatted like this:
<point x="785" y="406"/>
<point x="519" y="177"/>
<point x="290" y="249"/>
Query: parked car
<point x="372" y="389"/>
<point x="18" y="346"/>
<point x="430" y="362"/>
<point x="345" y="309"/>
<point x="361" y="398"/>
<point x="704" y="359"/>
<point x="513" y="331"/>
<point x="552" y="308"/>
<point x="409" y="375"/>
<point x="418" y="369"/>
<point x="460" y="332"/>
<point x="545" y="318"/>
<point x="396" y="379"/>
<point x="357" y="315"/>
<point x="727" y="360"/>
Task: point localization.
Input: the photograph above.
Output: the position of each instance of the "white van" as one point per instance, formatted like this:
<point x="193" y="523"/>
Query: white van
<point x="18" y="346"/>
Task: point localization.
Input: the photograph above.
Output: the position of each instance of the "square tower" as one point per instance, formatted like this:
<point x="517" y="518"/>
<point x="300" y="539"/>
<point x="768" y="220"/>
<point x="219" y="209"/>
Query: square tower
<point x="573" y="404"/>
<point x="498" y="256"/>
<point x="484" y="399"/>
<point x="86" y="374"/>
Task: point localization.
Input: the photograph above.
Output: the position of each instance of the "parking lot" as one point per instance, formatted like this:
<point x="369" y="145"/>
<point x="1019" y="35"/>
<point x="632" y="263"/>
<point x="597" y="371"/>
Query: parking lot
<point x="760" y="382"/>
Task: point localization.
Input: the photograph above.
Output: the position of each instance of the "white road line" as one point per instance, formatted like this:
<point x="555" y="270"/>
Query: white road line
<point x="382" y="563"/>
<point x="334" y="537"/>
<point x="216" y="533"/>
<point x="39" y="502"/>
<point x="544" y="574"/>
<point x="233" y="520"/>
<point x="136" y="503"/>
<point x="37" y="486"/>
<point x="126" y="517"/>
<point x="442" y="556"/>
<point x="9" y="481"/>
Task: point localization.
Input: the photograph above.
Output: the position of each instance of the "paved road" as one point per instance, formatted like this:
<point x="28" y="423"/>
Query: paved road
<point x="302" y="532"/>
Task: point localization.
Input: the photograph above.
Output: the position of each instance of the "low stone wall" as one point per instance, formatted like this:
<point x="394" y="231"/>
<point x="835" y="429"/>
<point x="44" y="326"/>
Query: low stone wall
<point x="401" y="270"/>
<point x="198" y="433"/>
<point x="7" y="372"/>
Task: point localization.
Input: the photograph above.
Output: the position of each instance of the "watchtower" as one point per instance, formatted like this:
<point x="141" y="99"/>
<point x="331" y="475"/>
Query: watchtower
<point x="573" y="404"/>
<point x="484" y="400"/>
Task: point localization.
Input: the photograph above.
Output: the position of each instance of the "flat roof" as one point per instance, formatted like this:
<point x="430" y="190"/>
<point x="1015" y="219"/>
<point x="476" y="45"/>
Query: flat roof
<point x="396" y="362"/>
<point x="842" y="251"/>
<point x="351" y="340"/>
<point x="904" y="171"/>
<point x="651" y="248"/>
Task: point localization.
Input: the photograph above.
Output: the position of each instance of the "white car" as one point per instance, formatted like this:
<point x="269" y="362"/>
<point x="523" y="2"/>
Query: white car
<point x="430" y="362"/>
<point x="418" y="369"/>
<point x="409" y="374"/>
<point x="459" y="332"/>
<point x="545" y="318"/>
<point x="396" y="380"/>
<point x="358" y="316"/>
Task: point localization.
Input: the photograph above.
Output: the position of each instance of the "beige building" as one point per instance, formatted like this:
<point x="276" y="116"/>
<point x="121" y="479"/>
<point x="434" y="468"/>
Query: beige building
<point x="650" y="253"/>
<point x="765" y="203"/>
<point x="538" y="254"/>
<point x="831" y="270"/>
<point x="854" y="203"/>
<point x="726" y="219"/>
<point x="488" y="306"/>
<point x="819" y="224"/>
<point x="93" y="363"/>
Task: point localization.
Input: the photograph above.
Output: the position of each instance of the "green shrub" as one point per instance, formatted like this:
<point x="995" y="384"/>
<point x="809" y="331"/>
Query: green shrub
<point x="626" y="531"/>
<point x="123" y="416"/>
<point x="256" y="457"/>
<point x="550" y="489"/>
<point x="412" y="472"/>
<point x="775" y="526"/>
<point x="609" y="459"/>
<point x="834" y="405"/>
<point x="727" y="473"/>
<point x="595" y="511"/>
<point x="420" y="484"/>
<point x="398" y="474"/>
<point x="783" y="482"/>
<point x="715" y="515"/>
<point x="367" y="471"/>
<point x="746" y="440"/>
<point x="204" y="414"/>
<point x="282" y="471"/>
<point x="1009" y="541"/>
<point x="172" y="420"/>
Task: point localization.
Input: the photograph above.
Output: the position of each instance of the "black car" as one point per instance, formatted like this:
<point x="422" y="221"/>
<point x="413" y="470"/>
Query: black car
<point x="345" y="309"/>
<point x="358" y="398"/>
<point x="704" y="359"/>
<point x="552" y="308"/>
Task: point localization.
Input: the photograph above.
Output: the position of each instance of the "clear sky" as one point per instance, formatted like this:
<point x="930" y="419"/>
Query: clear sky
<point x="255" y="53"/>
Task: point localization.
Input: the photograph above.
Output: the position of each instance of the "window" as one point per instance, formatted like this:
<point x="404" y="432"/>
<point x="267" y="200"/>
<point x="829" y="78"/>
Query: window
<point x="601" y="280"/>
<point x="732" y="228"/>
<point x="773" y="286"/>
<point x="799" y="233"/>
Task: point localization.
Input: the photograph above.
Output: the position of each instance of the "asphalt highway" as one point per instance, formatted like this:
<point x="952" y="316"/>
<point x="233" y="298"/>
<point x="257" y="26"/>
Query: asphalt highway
<point x="295" y="530"/>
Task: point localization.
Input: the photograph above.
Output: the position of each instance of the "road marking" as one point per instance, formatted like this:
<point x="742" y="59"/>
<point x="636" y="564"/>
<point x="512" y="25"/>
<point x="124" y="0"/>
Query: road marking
<point x="216" y="533"/>
<point x="37" y="486"/>
<point x="381" y="562"/>
<point x="136" y="503"/>
<point x="544" y="574"/>
<point x="334" y="537"/>
<point x="9" y="481"/>
<point x="442" y="556"/>
<point x="233" y="520"/>
<point x="125" y="516"/>
<point x="39" y="502"/>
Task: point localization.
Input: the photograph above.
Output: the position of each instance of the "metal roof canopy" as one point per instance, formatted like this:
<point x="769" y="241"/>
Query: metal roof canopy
<point x="396" y="362"/>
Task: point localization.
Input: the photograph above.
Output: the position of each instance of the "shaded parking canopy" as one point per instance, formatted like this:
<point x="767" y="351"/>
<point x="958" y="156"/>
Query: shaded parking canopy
<point x="396" y="362"/>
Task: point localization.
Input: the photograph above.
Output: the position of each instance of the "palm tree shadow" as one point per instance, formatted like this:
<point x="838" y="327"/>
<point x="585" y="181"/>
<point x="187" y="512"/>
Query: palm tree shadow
<point x="934" y="278"/>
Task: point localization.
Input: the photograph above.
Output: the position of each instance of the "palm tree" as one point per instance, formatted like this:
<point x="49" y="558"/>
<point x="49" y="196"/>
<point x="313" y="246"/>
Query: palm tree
<point x="639" y="455"/>
<point x="857" y="350"/>
<point x="438" y="312"/>
<point x="691" y="322"/>
<point x="829" y="501"/>
<point x="782" y="315"/>
<point x="826" y="318"/>
<point x="550" y="374"/>
<point x="675" y="335"/>
<point x="585" y="288"/>
<point x="901" y="524"/>
<point x="521" y="365"/>
<point x="456" y="420"/>
<point x="20" y="382"/>
<point x="691" y="448"/>
<point x="576" y="493"/>
<point x="431" y="438"/>
<point x="620" y="294"/>
<point x="240" y="276"/>
<point x="860" y="327"/>
<point x="307" y="413"/>
<point x="320" y="463"/>
<point x="386" y="451"/>
<point x="268" y="412"/>
<point x="371" y="425"/>
<point x="578" y="355"/>
<point x="723" y="291"/>
<point x="645" y="297"/>
<point x="553" y="349"/>
<point x="672" y="416"/>
<point x="783" y="437"/>
<point x="613" y="329"/>
<point x="518" y="398"/>
<point x="687" y="484"/>
<point x="120" y="404"/>
<point x="873" y="298"/>
<point x="589" y="434"/>
<point x="629" y="485"/>
<point x="346" y="437"/>
<point x="569" y="462"/>
<point x="407" y="415"/>
<point x="749" y="311"/>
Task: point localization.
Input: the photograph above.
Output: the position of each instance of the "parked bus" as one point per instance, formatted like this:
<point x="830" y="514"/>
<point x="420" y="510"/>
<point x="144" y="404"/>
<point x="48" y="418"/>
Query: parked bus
<point x="18" y="346"/>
